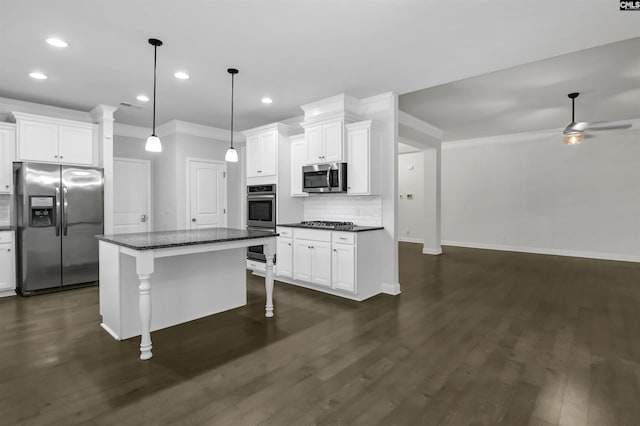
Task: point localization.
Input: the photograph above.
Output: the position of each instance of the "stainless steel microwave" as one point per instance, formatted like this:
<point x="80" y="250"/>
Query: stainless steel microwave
<point x="328" y="177"/>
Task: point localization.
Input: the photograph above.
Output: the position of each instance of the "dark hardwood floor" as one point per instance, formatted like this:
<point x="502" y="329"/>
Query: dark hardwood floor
<point x="476" y="338"/>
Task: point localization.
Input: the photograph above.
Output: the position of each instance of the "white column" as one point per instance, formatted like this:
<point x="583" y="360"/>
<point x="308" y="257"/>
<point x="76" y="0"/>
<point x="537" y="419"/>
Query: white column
<point x="269" y="252"/>
<point x="432" y="200"/>
<point x="144" y="269"/>
<point x="103" y="116"/>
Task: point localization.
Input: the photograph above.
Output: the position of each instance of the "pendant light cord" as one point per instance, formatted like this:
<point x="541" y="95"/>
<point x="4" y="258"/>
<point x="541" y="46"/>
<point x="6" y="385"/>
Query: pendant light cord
<point x="573" y="110"/>
<point x="155" y="59"/>
<point x="232" y="79"/>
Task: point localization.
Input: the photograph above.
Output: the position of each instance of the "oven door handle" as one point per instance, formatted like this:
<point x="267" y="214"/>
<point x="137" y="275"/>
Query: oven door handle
<point x="260" y="197"/>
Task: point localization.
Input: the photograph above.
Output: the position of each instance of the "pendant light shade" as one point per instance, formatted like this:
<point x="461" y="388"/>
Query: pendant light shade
<point x="573" y="138"/>
<point x="231" y="155"/>
<point x="153" y="142"/>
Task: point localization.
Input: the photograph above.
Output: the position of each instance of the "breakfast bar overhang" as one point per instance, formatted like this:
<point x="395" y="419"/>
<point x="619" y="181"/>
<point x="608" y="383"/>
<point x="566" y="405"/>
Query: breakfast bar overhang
<point x="180" y="275"/>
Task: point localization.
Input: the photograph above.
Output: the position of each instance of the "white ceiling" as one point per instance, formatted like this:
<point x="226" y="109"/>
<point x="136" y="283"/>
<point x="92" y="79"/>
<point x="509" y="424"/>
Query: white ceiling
<point x="533" y="96"/>
<point x="294" y="51"/>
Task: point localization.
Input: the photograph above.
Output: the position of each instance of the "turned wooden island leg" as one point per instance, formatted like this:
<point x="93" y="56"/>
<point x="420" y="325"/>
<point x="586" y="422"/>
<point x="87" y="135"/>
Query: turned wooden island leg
<point x="269" y="252"/>
<point x="144" y="268"/>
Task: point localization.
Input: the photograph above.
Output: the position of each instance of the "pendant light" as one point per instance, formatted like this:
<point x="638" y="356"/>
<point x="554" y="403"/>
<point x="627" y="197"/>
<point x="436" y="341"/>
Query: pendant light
<point x="153" y="142"/>
<point x="231" y="155"/>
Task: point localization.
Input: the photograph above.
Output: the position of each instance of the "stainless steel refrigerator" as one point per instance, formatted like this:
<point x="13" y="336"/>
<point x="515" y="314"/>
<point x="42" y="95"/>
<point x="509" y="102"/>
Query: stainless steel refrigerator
<point x="59" y="209"/>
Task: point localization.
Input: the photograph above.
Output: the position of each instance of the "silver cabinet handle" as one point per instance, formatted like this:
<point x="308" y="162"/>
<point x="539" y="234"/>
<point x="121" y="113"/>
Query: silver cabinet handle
<point x="259" y="171"/>
<point x="65" y="211"/>
<point x="289" y="244"/>
<point x="61" y="157"/>
<point x="343" y="238"/>
<point x="55" y="156"/>
<point x="335" y="250"/>
<point x="8" y="249"/>
<point x="193" y="219"/>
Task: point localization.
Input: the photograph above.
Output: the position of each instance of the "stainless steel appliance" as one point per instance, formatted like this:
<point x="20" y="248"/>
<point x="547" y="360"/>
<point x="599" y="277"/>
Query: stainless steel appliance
<point x="261" y="214"/>
<point x="59" y="209"/>
<point x="328" y="177"/>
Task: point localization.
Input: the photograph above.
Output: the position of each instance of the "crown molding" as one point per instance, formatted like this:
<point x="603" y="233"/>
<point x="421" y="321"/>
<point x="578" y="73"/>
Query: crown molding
<point x="377" y="103"/>
<point x="280" y="127"/>
<point x="102" y="112"/>
<point x="524" y="136"/>
<point x="422" y="126"/>
<point x="186" y="128"/>
<point x="131" y="131"/>
<point x="8" y="105"/>
<point x="331" y="105"/>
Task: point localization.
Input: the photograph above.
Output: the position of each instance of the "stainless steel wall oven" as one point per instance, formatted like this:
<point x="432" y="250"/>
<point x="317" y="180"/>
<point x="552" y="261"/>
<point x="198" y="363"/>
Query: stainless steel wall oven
<point x="261" y="214"/>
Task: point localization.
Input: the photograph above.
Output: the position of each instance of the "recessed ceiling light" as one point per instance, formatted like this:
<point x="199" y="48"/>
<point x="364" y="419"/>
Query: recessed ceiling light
<point x="57" y="42"/>
<point x="267" y="100"/>
<point x="37" y="75"/>
<point x="181" y="75"/>
<point x="142" y="98"/>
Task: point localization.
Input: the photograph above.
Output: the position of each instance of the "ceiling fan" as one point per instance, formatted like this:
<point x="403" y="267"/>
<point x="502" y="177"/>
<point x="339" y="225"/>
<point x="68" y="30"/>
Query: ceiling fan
<point x="574" y="133"/>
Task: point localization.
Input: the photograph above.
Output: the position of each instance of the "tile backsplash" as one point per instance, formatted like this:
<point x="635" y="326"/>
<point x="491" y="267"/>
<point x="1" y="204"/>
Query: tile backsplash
<point x="361" y="210"/>
<point x="5" y="210"/>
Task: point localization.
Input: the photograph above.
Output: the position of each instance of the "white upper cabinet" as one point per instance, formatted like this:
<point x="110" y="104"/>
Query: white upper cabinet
<point x="298" y="159"/>
<point x="359" y="158"/>
<point x="75" y="145"/>
<point x="7" y="155"/>
<point x="54" y="140"/>
<point x="262" y="152"/>
<point x="325" y="142"/>
<point x="262" y="155"/>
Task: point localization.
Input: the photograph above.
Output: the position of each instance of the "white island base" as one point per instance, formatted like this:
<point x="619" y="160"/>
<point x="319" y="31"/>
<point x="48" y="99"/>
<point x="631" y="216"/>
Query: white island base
<point x="147" y="290"/>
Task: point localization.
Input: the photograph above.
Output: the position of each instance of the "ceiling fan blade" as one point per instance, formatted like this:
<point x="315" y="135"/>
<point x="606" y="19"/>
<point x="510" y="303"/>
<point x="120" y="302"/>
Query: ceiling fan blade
<point x="612" y="127"/>
<point x="576" y="127"/>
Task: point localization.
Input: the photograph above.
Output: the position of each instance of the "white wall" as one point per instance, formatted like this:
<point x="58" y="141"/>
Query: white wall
<point x="533" y="193"/>
<point x="411" y="211"/>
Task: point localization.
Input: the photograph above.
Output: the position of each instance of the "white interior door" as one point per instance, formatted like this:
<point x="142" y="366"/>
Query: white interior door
<point x="131" y="195"/>
<point x="207" y="194"/>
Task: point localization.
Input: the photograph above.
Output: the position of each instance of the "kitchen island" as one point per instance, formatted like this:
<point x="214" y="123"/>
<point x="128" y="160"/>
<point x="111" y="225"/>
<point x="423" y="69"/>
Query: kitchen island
<point x="196" y="273"/>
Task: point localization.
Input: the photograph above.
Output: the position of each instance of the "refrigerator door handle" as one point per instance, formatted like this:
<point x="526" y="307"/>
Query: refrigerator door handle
<point x="65" y="212"/>
<point x="58" y="211"/>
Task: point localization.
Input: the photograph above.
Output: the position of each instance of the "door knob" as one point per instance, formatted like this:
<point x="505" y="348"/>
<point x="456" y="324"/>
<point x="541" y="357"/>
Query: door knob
<point x="193" y="219"/>
<point x="143" y="218"/>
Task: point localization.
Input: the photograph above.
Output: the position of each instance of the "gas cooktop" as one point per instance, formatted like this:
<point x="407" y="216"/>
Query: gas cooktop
<point x="327" y="224"/>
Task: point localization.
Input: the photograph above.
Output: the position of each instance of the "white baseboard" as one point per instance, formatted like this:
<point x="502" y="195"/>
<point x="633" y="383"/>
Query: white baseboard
<point x="551" y="251"/>
<point x="411" y="240"/>
<point x="392" y="289"/>
<point x="432" y="251"/>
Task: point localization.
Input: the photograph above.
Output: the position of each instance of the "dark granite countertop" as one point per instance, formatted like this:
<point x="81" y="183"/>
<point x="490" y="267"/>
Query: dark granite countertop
<point x="6" y="228"/>
<point x="346" y="228"/>
<point x="167" y="239"/>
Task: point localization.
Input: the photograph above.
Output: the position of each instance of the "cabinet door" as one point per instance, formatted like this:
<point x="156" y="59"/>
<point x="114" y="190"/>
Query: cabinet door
<point x="298" y="159"/>
<point x="359" y="160"/>
<point x="7" y="275"/>
<point x="302" y="260"/>
<point x="332" y="138"/>
<point x="7" y="146"/>
<point x="321" y="263"/>
<point x="75" y="145"/>
<point x="313" y="136"/>
<point x="37" y="141"/>
<point x="285" y="257"/>
<point x="343" y="272"/>
<point x="269" y="147"/>
<point x="254" y="157"/>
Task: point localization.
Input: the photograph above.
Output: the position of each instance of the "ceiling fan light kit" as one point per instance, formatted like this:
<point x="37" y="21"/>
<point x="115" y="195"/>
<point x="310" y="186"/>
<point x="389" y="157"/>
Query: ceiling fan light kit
<point x="574" y="132"/>
<point x="153" y="142"/>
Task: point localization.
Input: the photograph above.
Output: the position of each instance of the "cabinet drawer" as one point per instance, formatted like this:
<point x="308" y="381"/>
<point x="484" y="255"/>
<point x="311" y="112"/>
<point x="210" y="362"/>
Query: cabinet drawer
<point x="313" y="234"/>
<point x="256" y="266"/>
<point x="6" y="237"/>
<point x="344" y="237"/>
<point x="285" y="232"/>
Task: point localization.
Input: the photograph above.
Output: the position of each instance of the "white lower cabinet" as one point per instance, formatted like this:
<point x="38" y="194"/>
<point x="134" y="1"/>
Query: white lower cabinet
<point x="343" y="267"/>
<point x="284" y="258"/>
<point x="345" y="264"/>
<point x="7" y="262"/>
<point x="312" y="261"/>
